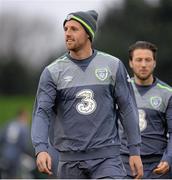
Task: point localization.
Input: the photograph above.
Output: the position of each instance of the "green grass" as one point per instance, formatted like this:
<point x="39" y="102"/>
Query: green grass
<point x="9" y="105"/>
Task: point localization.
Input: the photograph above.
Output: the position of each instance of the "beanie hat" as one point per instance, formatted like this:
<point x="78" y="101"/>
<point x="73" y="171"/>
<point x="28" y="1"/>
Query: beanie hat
<point x="87" y="19"/>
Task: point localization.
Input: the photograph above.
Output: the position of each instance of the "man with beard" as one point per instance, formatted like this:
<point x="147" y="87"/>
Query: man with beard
<point x="154" y="102"/>
<point x="83" y="88"/>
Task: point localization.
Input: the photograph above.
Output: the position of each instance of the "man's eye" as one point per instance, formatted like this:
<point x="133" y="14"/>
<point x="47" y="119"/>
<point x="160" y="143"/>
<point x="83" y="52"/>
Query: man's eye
<point x="138" y="59"/>
<point x="74" y="29"/>
<point x="148" y="59"/>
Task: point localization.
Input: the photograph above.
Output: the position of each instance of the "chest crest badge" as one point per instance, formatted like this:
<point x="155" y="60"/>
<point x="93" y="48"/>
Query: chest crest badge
<point x="101" y="74"/>
<point x="155" y="101"/>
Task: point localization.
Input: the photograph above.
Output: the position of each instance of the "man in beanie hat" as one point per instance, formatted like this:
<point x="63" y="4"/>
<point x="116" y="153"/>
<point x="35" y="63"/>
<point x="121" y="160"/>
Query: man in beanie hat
<point x="87" y="19"/>
<point x="83" y="89"/>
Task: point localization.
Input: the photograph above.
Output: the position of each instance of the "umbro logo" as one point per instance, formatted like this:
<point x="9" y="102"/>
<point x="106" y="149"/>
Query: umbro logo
<point x="68" y="78"/>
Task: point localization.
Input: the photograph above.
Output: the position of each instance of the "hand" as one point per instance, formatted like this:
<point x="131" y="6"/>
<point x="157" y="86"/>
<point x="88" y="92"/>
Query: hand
<point x="136" y="166"/>
<point x="43" y="163"/>
<point x="162" y="168"/>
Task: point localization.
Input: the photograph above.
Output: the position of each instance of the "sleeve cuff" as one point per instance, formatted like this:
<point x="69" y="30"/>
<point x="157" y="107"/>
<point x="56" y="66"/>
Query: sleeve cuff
<point x="167" y="158"/>
<point x="41" y="148"/>
<point x="134" y="150"/>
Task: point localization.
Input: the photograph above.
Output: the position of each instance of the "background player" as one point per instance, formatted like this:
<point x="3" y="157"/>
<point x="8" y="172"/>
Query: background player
<point x="154" y="101"/>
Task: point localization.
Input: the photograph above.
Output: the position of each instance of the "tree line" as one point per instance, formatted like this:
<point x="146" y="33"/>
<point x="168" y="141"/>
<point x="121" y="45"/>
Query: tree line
<point x="135" y="20"/>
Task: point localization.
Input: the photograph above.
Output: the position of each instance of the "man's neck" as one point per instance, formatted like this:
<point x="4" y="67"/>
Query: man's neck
<point x="145" y="82"/>
<point x="81" y="54"/>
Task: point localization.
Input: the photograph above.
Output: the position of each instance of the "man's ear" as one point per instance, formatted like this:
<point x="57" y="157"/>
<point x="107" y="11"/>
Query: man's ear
<point x="130" y="63"/>
<point x="154" y="64"/>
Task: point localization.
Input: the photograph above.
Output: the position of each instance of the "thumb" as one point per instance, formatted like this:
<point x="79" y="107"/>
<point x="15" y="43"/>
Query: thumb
<point x="160" y="164"/>
<point x="49" y="162"/>
<point x="133" y="171"/>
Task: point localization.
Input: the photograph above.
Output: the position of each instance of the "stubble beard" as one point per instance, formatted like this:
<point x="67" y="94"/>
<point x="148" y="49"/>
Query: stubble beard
<point x="143" y="77"/>
<point x="74" y="47"/>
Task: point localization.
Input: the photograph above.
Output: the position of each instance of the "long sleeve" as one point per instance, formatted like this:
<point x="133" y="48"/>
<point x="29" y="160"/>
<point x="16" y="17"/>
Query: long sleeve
<point x="43" y="111"/>
<point x="128" y="109"/>
<point x="167" y="155"/>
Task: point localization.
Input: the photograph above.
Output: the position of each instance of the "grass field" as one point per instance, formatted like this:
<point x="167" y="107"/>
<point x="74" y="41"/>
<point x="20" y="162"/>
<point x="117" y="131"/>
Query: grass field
<point x="10" y="104"/>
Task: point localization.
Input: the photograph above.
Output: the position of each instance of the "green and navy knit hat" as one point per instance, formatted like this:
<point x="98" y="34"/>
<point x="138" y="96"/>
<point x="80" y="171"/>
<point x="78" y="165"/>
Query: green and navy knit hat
<point x="87" y="19"/>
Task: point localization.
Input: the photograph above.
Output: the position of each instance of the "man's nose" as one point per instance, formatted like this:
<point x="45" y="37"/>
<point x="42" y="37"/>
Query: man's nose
<point x="143" y="63"/>
<point x="68" y="32"/>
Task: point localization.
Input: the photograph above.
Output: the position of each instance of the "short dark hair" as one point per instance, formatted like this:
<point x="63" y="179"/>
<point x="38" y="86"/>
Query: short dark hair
<point x="143" y="45"/>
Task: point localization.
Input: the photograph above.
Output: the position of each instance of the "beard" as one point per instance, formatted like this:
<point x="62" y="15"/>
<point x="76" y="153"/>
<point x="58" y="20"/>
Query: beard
<point x="73" y="46"/>
<point x="143" y="77"/>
